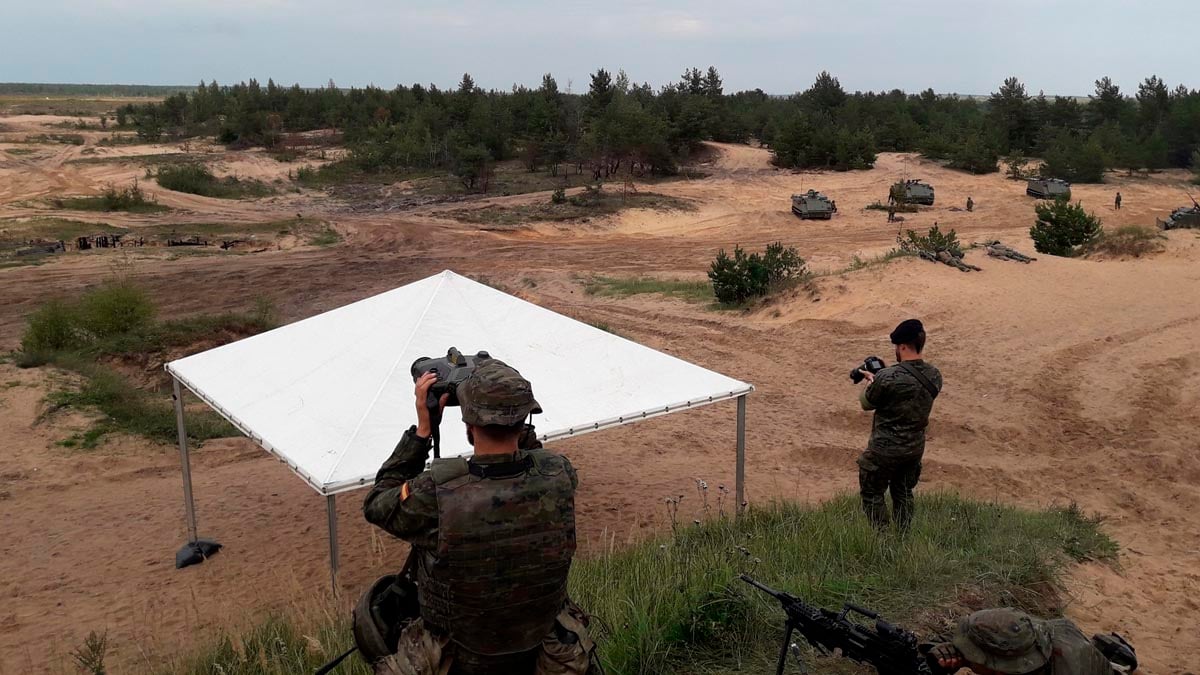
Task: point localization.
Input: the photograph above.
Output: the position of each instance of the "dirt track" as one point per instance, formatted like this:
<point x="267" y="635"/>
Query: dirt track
<point x="1067" y="381"/>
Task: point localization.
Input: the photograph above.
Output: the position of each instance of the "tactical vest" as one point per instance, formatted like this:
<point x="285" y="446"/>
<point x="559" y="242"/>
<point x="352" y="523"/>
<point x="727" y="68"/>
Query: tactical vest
<point x="506" y="537"/>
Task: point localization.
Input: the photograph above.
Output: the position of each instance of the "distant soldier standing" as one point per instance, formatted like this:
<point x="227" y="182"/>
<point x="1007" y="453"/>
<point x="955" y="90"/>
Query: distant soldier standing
<point x="902" y="398"/>
<point x="1010" y="642"/>
<point x="1117" y="202"/>
<point x="891" y="212"/>
<point x="970" y="204"/>
<point x="492" y="539"/>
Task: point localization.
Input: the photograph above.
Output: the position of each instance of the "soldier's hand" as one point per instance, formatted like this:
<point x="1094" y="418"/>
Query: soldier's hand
<point x="421" y="391"/>
<point x="948" y="657"/>
<point x="868" y="376"/>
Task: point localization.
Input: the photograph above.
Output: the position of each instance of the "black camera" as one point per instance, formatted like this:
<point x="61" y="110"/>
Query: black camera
<point x="872" y="364"/>
<point x="452" y="370"/>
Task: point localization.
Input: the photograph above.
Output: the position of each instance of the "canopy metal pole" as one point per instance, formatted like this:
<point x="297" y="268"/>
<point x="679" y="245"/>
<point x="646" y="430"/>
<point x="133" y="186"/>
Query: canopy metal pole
<point x="331" y="511"/>
<point x="740" y="475"/>
<point x="185" y="461"/>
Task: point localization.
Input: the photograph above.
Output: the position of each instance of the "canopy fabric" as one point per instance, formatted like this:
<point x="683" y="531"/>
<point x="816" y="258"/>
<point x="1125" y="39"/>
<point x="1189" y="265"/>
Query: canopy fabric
<point x="332" y="394"/>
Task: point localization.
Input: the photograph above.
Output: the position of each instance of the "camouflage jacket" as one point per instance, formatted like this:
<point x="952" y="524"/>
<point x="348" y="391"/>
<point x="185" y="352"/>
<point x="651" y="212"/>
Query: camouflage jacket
<point x="403" y="501"/>
<point x="902" y="406"/>
<point x="1072" y="653"/>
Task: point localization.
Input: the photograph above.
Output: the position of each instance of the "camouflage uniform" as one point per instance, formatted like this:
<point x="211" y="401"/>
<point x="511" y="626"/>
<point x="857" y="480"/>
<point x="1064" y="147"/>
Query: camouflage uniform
<point x="493" y="538"/>
<point x="892" y="460"/>
<point x="1012" y="642"/>
<point x="970" y="204"/>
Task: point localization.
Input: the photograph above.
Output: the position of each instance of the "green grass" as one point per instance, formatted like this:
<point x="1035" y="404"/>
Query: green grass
<point x="307" y="227"/>
<point x="325" y="237"/>
<point x="112" y="325"/>
<point x="21" y="151"/>
<point x="691" y="291"/>
<point x="65" y="139"/>
<point x="197" y="179"/>
<point x="582" y="206"/>
<point x="673" y="603"/>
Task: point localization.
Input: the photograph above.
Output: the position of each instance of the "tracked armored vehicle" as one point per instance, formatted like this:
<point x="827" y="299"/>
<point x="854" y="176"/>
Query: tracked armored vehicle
<point x="912" y="192"/>
<point x="1183" y="217"/>
<point x="1048" y="188"/>
<point x="812" y="205"/>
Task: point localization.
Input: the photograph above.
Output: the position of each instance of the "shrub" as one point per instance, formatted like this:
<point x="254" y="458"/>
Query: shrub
<point x="744" y="276"/>
<point x="53" y="327"/>
<point x="115" y="309"/>
<point x="974" y="156"/>
<point x="1076" y="160"/>
<point x="934" y="242"/>
<point x="559" y="196"/>
<point x="131" y="199"/>
<point x="1062" y="227"/>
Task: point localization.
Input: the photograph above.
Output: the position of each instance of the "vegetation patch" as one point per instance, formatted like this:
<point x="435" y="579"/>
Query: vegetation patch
<point x="592" y="202"/>
<point x="131" y="199"/>
<point x="66" y="139"/>
<point x="197" y="179"/>
<point x="691" y="291"/>
<point x="901" y="207"/>
<point x="1130" y="241"/>
<point x="113" y="325"/>
<point x="1063" y="228"/>
<point x="674" y="604"/>
<point x="742" y="277"/>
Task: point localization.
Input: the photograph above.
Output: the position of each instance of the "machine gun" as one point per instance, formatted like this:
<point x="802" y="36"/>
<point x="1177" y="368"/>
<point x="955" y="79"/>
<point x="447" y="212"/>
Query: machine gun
<point x="888" y="648"/>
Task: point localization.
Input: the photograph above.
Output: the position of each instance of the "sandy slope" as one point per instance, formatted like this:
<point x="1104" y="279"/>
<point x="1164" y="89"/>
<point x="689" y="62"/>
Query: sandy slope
<point x="1067" y="381"/>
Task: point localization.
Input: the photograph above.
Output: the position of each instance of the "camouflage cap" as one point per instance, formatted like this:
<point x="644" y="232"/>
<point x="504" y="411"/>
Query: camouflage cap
<point x="1006" y="640"/>
<point x="496" y="394"/>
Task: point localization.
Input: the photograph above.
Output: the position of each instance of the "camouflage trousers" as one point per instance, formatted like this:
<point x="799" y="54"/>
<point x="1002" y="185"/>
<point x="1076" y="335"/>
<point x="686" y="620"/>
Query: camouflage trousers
<point x="567" y="650"/>
<point x="879" y="475"/>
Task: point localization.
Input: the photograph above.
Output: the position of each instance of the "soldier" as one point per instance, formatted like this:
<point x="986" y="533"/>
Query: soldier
<point x="997" y="250"/>
<point x="1010" y="642"/>
<point x="891" y="212"/>
<point x="902" y="398"/>
<point x="970" y="204"/>
<point x="492" y="539"/>
<point x="1117" y="202"/>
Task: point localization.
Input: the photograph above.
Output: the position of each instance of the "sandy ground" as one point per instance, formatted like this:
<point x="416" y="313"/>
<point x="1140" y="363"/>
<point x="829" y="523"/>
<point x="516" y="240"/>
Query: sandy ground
<point x="1066" y="381"/>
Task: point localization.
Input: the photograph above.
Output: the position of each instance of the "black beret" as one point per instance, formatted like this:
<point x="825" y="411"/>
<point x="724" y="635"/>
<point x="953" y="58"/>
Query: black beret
<point x="907" y="332"/>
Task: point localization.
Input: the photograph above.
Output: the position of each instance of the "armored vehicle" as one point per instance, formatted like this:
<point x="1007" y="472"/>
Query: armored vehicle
<point x="912" y="192"/>
<point x="1184" y="216"/>
<point x="812" y="205"/>
<point x="1048" y="188"/>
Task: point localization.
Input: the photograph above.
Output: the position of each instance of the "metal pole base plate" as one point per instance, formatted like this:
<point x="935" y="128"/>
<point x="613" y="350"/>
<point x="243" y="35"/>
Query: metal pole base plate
<point x="196" y="552"/>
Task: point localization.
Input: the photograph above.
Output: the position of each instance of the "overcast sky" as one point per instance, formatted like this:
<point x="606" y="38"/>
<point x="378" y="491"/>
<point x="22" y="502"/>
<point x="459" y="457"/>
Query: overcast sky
<point x="964" y="46"/>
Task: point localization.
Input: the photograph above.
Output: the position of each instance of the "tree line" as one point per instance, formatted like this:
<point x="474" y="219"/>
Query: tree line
<point x="618" y="127"/>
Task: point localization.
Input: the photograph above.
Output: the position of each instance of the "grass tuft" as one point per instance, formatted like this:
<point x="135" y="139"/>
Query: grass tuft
<point x="673" y="604"/>
<point x="1129" y="241"/>
<point x="130" y="199"/>
<point x="691" y="291"/>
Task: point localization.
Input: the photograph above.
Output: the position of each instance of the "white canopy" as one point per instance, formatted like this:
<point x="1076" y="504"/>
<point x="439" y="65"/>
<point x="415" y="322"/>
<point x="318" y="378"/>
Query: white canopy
<point x="332" y="394"/>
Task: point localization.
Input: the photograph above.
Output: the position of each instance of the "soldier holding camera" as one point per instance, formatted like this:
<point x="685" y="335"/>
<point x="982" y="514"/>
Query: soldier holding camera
<point x="902" y="398"/>
<point x="492" y="539"/>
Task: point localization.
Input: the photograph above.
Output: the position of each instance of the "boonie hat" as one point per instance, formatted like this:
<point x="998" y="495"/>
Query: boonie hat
<point x="1006" y="640"/>
<point x="496" y="394"/>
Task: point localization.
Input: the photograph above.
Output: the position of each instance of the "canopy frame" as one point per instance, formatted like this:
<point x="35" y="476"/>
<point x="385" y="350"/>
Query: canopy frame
<point x="195" y="543"/>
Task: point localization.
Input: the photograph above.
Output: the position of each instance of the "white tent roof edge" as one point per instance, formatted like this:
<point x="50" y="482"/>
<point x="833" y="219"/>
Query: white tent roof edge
<point x="248" y="433"/>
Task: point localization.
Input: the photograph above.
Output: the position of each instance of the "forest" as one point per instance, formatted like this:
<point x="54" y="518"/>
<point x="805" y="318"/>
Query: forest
<point x="619" y="127"/>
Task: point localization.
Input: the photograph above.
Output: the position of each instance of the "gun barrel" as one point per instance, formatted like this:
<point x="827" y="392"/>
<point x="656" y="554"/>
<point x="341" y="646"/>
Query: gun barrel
<point x="760" y="586"/>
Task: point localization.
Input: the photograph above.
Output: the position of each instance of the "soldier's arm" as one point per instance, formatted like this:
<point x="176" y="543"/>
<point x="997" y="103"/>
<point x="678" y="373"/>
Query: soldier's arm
<point x="403" y="500"/>
<point x="875" y="393"/>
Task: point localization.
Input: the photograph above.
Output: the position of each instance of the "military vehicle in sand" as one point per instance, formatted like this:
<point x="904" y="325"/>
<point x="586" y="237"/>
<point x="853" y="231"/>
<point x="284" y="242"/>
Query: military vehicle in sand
<point x="1048" y="188"/>
<point x="813" y="205"/>
<point x="1183" y="217"/>
<point x="911" y="191"/>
